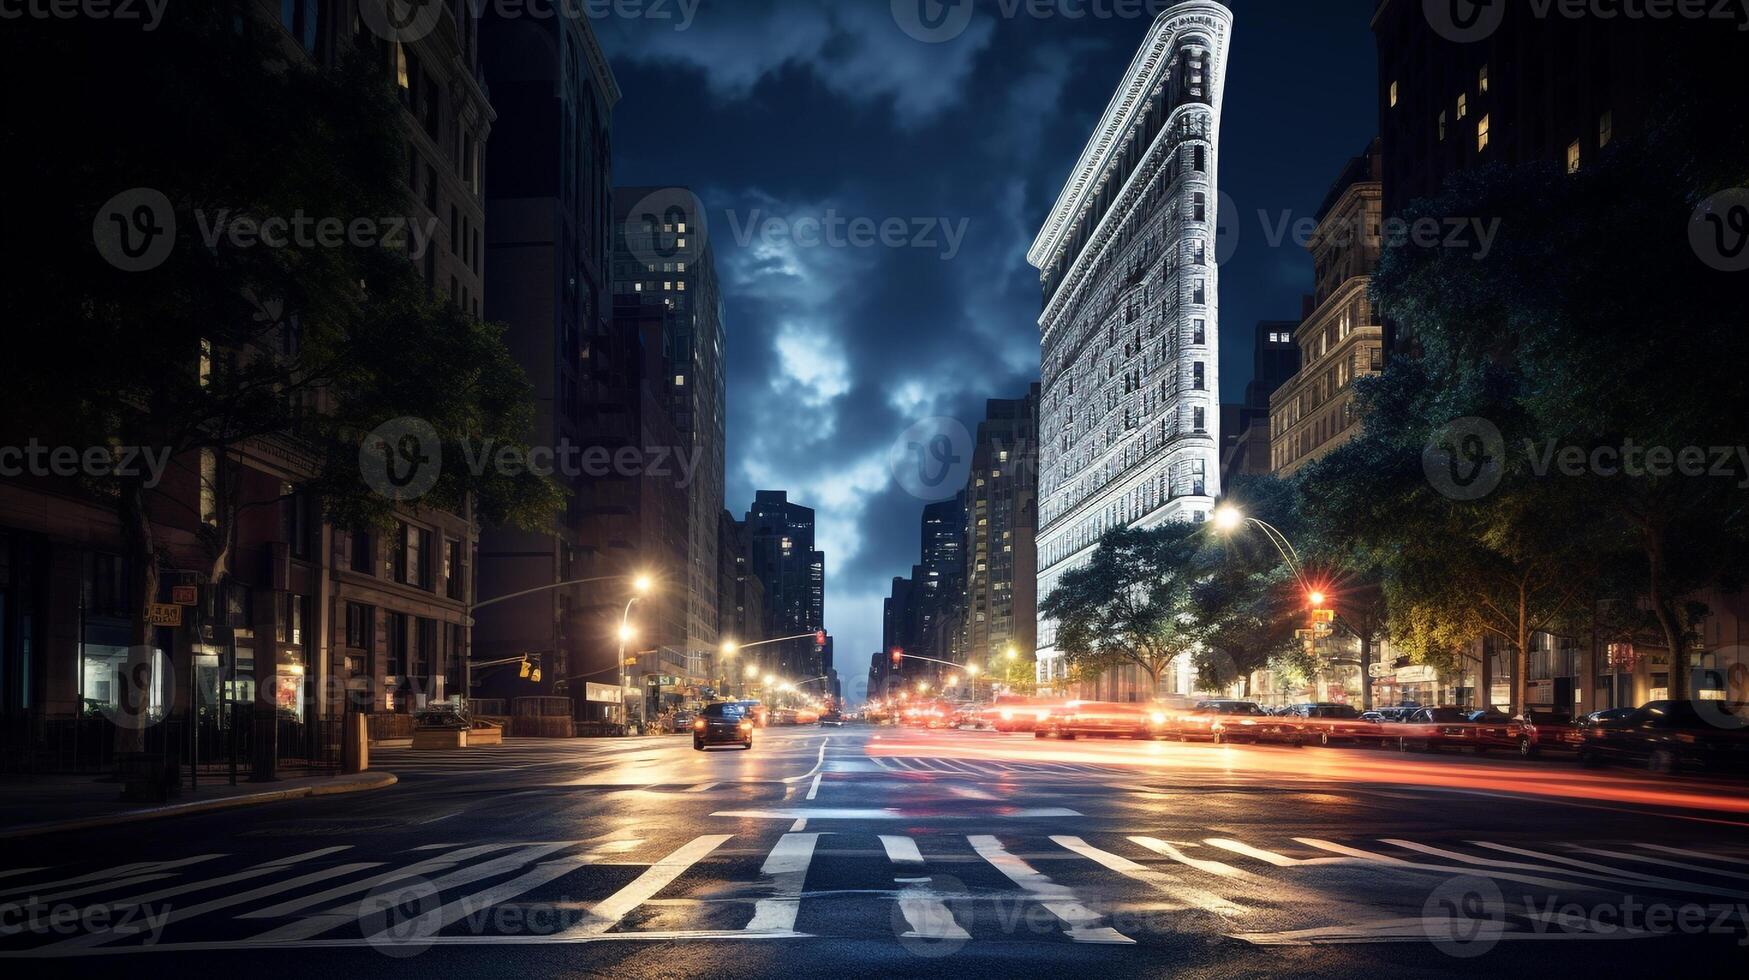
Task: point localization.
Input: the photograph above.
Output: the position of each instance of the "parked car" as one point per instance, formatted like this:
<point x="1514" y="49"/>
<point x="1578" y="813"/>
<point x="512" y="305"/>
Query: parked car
<point x="1668" y="736"/>
<point x="1329" y="722"/>
<point x="1543" y="730"/>
<point x="680" y="722"/>
<point x="1491" y="730"/>
<point x="831" y="718"/>
<point x="1112" y="719"/>
<point x="723" y="723"/>
<point x="1224" y="720"/>
<point x="1432" y="729"/>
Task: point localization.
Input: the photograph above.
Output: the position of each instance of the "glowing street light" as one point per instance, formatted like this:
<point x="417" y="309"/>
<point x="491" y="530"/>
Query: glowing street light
<point x="627" y="632"/>
<point x="751" y="672"/>
<point x="953" y="680"/>
<point x="1317" y="599"/>
<point x="1228" y="518"/>
<point x="642" y="583"/>
<point x="922" y="687"/>
<point x="729" y="648"/>
<point x="972" y="670"/>
<point x="770" y="679"/>
<point x="1011" y="653"/>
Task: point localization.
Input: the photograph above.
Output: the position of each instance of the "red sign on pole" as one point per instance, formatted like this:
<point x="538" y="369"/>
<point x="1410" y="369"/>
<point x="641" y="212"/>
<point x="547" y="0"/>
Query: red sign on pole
<point x="184" y="595"/>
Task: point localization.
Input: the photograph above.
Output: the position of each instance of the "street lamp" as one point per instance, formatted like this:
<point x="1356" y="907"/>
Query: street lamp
<point x="1230" y="518"/>
<point x="752" y="672"/>
<point x="640" y="586"/>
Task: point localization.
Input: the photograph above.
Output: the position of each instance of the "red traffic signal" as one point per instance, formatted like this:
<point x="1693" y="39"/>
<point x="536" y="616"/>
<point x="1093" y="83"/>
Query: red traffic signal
<point x="898" y="656"/>
<point x="1316" y="598"/>
<point x="820" y="638"/>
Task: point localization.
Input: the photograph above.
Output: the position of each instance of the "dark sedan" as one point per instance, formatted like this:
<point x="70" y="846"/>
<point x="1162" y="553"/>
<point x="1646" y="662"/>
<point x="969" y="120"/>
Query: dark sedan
<point x="724" y="723"/>
<point x="1667" y="736"/>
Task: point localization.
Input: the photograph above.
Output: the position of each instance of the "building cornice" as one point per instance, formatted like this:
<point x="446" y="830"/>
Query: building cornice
<point x="1116" y="126"/>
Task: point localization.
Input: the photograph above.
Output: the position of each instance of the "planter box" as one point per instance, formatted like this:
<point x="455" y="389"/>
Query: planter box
<point x="485" y="735"/>
<point x="440" y="738"/>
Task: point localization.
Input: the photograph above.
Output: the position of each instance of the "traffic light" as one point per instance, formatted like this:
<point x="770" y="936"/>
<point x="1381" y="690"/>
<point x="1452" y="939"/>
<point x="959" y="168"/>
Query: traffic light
<point x="820" y="639"/>
<point x="534" y="675"/>
<point x="525" y="667"/>
<point x="1316" y="598"/>
<point x="898" y="657"/>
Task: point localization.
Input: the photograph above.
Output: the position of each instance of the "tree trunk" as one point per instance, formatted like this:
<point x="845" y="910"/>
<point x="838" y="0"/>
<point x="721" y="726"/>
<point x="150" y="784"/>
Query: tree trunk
<point x="142" y="556"/>
<point x="1365" y="671"/>
<point x="1662" y="607"/>
<point x="1521" y="663"/>
<point x="1485" y="677"/>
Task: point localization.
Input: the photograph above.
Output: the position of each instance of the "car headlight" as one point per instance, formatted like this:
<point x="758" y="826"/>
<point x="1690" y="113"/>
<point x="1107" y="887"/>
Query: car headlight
<point x="699" y="724"/>
<point x="1158" y="717"/>
<point x="746" y="726"/>
<point x="1007" y="716"/>
<point x="1247" y="722"/>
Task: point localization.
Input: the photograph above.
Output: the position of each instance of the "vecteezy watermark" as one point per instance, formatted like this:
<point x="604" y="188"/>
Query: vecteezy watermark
<point x="1467" y="21"/>
<point x="123" y="462"/>
<point x="664" y="227"/>
<point x="932" y="458"/>
<point x="150" y="13"/>
<point x="400" y="917"/>
<point x="407" y="21"/>
<point x="26" y="915"/>
<point x="936" y="21"/>
<point x="1469" y="915"/>
<point x="1719" y="230"/>
<point x="1474" y="235"/>
<point x="833" y="230"/>
<point x="402" y="459"/>
<point x="1465" y="459"/>
<point x="135" y="690"/>
<point x="136" y="230"/>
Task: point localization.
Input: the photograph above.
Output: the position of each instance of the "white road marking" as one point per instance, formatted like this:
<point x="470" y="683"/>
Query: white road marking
<point x="890" y="813"/>
<point x="340" y="915"/>
<point x="1201" y="864"/>
<point x="702" y="788"/>
<point x="924" y="911"/>
<point x="427" y="866"/>
<point x="604" y="915"/>
<point x="1083" y="922"/>
<point x="814" y="789"/>
<point x="1163" y="883"/>
<point x="256" y="871"/>
<point x="901" y="849"/>
<point x="36" y="899"/>
<point x="119" y="871"/>
<point x="1679" y="852"/>
<point x="787" y="866"/>
<point x="190" y="911"/>
<point x="1387" y="861"/>
<point x="1612" y="874"/>
<point x="467" y="905"/>
<point x="1268" y="857"/>
<point x="818" y="762"/>
<point x="1662" y="862"/>
<point x="800" y="825"/>
<point x="880" y="762"/>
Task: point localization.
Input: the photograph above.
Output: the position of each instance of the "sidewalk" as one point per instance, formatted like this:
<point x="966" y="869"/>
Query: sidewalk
<point x="33" y="805"/>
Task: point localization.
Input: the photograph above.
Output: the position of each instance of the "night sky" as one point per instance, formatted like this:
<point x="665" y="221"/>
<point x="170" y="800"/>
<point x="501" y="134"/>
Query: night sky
<point x="801" y="108"/>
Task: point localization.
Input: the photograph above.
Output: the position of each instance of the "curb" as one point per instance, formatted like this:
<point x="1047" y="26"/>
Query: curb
<point x="377" y="781"/>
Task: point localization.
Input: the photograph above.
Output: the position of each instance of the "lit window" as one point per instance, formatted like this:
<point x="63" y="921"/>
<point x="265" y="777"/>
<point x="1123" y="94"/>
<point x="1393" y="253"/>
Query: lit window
<point x="680" y="243"/>
<point x="681" y="227"/>
<point x="1605" y="128"/>
<point x="1481" y="134"/>
<point x="1573" y="157"/>
<point x="1393" y="94"/>
<point x="1482" y="80"/>
<point x="401" y="65"/>
<point x="680" y="381"/>
<point x="1463" y="104"/>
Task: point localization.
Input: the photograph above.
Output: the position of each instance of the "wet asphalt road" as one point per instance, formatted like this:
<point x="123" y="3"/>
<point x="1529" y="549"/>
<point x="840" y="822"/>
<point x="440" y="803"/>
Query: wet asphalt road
<point x="861" y="851"/>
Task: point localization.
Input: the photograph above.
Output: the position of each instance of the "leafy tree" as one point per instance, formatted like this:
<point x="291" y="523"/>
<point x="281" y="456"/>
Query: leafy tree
<point x="1130" y="604"/>
<point x="231" y="346"/>
<point x="1557" y="324"/>
<point x="1248" y="598"/>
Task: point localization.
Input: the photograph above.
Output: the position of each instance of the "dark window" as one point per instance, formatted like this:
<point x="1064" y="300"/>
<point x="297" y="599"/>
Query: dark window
<point x="395" y="642"/>
<point x="294" y="523"/>
<point x="452" y="569"/>
<point x="1201" y="158"/>
<point x="359" y="622"/>
<point x="363" y="560"/>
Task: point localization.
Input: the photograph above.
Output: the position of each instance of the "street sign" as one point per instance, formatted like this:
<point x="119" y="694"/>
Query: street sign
<point x="163" y="614"/>
<point x="1323" y="615"/>
<point x="184" y="595"/>
<point x="604" y="693"/>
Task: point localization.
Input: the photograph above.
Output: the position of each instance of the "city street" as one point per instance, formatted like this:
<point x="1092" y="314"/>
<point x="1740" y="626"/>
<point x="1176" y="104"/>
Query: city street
<point x="861" y="851"/>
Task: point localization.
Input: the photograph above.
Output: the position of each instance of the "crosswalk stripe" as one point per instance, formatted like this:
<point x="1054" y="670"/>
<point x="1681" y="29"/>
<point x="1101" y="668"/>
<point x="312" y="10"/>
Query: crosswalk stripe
<point x="604" y="915"/>
<point x="119" y="871"/>
<point x="20" y="871"/>
<point x="787" y="867"/>
<point x="1613" y="874"/>
<point x="454" y="911"/>
<point x="206" y="884"/>
<point x="702" y="788"/>
<point x="924" y="911"/>
<point x="1268" y="857"/>
<point x="1082" y="921"/>
<point x="814" y="789"/>
<point x="1163" y="883"/>
<point x="1201" y="864"/>
<point x="427" y="866"/>
<point x="190" y="911"/>
<point x="880" y="762"/>
<point x="1681" y="852"/>
<point x="335" y="917"/>
<point x="62" y="896"/>
<point x="1662" y="862"/>
<point x="1388" y="861"/>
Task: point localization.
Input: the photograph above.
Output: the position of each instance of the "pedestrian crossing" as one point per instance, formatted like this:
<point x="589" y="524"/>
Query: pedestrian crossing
<point x="988" y="767"/>
<point x="933" y="892"/>
<point x="554" y="756"/>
